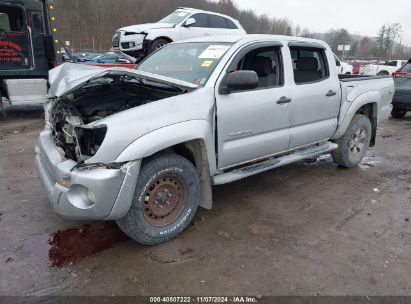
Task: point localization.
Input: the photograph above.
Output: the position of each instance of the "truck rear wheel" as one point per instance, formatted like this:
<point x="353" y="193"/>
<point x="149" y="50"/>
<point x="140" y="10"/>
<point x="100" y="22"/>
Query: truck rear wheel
<point x="353" y="145"/>
<point x="165" y="200"/>
<point x="398" y="112"/>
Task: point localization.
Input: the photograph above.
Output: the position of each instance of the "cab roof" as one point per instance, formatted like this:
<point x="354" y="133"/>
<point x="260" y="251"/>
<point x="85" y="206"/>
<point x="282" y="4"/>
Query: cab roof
<point x="196" y="10"/>
<point x="246" y="38"/>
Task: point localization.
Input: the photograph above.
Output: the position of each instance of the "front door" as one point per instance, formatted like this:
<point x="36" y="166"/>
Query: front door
<point x="254" y="124"/>
<point x="198" y="29"/>
<point x="316" y="96"/>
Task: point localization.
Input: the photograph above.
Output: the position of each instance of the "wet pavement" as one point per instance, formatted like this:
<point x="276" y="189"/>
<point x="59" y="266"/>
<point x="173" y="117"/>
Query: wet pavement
<point x="307" y="229"/>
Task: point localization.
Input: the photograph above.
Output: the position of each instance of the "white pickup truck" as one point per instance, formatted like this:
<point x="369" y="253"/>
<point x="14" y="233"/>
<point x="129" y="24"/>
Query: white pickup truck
<point x="382" y="69"/>
<point x="144" y="147"/>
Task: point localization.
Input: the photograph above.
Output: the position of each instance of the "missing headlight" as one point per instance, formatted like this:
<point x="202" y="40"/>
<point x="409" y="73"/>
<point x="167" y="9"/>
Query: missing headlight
<point x="89" y="140"/>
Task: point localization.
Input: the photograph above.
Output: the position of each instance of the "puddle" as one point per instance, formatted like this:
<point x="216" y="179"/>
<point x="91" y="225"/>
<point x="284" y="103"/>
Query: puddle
<point x="72" y="245"/>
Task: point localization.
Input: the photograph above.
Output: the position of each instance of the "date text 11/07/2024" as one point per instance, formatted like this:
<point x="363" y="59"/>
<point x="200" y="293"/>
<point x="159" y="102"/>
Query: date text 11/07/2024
<point x="199" y="299"/>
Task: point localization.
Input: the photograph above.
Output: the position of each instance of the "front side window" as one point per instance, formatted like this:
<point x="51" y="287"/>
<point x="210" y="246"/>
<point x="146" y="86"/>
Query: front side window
<point x="175" y="17"/>
<point x="309" y="64"/>
<point x="201" y="20"/>
<point x="190" y="62"/>
<point x="11" y="19"/>
<point x="266" y="62"/>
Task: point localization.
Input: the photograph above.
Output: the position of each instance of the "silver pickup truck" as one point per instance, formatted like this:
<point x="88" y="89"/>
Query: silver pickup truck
<point x="144" y="147"/>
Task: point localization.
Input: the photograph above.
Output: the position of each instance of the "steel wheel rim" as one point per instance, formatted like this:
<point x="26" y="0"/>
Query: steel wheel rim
<point x="164" y="200"/>
<point x="357" y="142"/>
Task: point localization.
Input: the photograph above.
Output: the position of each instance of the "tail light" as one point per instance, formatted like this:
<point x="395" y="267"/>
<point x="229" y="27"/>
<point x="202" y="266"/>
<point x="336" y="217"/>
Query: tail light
<point x="399" y="74"/>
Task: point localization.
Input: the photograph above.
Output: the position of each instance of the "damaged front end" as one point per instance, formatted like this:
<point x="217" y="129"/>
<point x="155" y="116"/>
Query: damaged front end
<point x="74" y="117"/>
<point x="78" y="185"/>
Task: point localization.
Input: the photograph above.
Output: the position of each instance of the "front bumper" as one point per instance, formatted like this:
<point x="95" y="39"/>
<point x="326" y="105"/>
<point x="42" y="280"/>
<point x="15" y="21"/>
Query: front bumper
<point x="128" y="42"/>
<point x="67" y="187"/>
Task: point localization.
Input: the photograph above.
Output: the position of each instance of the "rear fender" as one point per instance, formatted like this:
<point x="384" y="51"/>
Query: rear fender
<point x="372" y="97"/>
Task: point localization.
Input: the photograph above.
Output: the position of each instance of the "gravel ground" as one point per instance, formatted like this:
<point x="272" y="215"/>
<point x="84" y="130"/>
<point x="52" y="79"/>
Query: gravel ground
<point x="305" y="229"/>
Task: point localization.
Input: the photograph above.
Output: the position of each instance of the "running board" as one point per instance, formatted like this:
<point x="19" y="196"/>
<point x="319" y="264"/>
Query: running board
<point x="243" y="172"/>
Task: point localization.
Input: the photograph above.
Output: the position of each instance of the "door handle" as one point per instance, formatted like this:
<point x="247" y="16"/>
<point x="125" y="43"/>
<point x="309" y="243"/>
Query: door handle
<point x="284" y="100"/>
<point x="331" y="93"/>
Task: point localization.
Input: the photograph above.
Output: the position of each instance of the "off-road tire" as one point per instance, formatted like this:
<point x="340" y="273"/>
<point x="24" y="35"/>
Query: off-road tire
<point x="344" y="155"/>
<point x="398" y="112"/>
<point x="137" y="224"/>
<point x="157" y="44"/>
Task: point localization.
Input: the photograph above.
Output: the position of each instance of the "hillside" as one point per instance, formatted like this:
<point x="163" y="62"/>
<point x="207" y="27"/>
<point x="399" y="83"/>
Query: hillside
<point x="90" y="24"/>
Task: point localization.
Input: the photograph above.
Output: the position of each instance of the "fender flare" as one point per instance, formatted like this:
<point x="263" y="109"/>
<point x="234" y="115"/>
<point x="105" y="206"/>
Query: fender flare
<point x="168" y="136"/>
<point x="372" y="97"/>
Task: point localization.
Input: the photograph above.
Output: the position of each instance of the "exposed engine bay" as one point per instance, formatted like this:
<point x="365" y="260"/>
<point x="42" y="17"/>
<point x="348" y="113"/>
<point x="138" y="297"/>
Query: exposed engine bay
<point x="70" y="116"/>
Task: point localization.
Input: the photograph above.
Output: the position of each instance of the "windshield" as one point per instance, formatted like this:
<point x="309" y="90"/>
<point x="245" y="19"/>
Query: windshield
<point x="175" y="17"/>
<point x="190" y="62"/>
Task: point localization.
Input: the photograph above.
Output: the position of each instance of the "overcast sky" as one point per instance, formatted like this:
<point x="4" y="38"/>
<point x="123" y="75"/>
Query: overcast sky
<point x="363" y="17"/>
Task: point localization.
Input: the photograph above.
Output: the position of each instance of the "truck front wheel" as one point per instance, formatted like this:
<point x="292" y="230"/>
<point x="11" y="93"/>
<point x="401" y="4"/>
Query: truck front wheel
<point x="165" y="200"/>
<point x="353" y="145"/>
<point x="157" y="44"/>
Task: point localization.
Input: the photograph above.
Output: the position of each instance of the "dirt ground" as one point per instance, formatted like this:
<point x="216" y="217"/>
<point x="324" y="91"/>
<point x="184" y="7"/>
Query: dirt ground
<point x="305" y="229"/>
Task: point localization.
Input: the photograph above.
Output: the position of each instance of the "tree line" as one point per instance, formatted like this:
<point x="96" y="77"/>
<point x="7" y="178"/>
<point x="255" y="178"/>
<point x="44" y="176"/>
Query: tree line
<point x="90" y="25"/>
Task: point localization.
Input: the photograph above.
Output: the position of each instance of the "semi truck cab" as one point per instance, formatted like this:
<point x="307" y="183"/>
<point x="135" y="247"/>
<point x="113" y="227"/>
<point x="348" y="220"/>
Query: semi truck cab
<point x="29" y="48"/>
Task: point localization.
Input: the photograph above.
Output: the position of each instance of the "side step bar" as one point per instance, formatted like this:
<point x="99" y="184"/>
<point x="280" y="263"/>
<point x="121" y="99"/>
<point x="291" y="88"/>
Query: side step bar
<point x="250" y="170"/>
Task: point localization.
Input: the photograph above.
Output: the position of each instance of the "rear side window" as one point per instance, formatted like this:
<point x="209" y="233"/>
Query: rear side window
<point x="201" y="20"/>
<point x="231" y="25"/>
<point x="392" y="63"/>
<point x="310" y="65"/>
<point x="406" y="68"/>
<point x="218" y="22"/>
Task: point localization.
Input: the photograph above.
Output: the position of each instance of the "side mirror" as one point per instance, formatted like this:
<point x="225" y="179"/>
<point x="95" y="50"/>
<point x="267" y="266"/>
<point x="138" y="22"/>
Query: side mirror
<point x="242" y="80"/>
<point x="189" y="22"/>
<point x="338" y="63"/>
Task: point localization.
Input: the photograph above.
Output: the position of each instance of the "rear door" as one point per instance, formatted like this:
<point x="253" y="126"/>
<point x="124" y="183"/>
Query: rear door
<point x="15" y="50"/>
<point x="316" y="96"/>
<point x="255" y="123"/>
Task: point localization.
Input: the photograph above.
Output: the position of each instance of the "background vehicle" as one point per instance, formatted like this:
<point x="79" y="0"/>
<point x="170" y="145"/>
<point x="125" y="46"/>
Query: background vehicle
<point x="195" y="114"/>
<point x="109" y="57"/>
<point x="137" y="41"/>
<point x="343" y="67"/>
<point x="27" y="49"/>
<point x="402" y="97"/>
<point x="357" y="65"/>
<point x="382" y="69"/>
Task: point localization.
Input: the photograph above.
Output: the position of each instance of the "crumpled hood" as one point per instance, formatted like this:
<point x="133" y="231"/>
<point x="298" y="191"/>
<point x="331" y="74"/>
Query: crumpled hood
<point x="69" y="77"/>
<point x="139" y="28"/>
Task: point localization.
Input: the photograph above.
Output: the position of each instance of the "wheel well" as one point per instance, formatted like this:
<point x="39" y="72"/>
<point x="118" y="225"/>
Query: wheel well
<point x="165" y="38"/>
<point x="195" y="151"/>
<point x="370" y="110"/>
